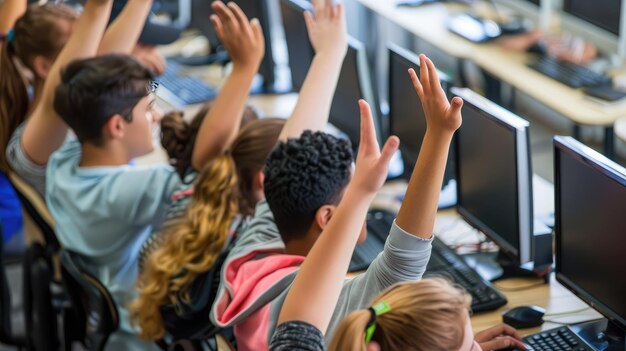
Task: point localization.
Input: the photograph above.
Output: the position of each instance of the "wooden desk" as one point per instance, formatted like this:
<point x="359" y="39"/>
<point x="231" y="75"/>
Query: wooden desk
<point x="429" y="24"/>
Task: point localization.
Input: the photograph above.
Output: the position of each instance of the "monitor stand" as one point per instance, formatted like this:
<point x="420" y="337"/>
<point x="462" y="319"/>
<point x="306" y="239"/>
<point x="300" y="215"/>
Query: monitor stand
<point x="602" y="334"/>
<point x="493" y="266"/>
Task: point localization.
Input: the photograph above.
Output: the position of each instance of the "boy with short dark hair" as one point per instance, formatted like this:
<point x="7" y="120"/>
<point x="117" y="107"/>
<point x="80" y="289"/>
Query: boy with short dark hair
<point x="104" y="209"/>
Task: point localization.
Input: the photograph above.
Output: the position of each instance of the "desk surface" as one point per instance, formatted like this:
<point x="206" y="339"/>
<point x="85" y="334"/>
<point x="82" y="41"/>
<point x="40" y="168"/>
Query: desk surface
<point x="429" y="24"/>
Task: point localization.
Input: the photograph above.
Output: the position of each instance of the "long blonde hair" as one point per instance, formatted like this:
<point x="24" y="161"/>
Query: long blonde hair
<point x="427" y="315"/>
<point x="193" y="243"/>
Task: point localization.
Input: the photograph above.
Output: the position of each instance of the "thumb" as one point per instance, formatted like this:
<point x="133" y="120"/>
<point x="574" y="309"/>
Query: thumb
<point x="389" y="149"/>
<point x="455" y="105"/>
<point x="308" y="20"/>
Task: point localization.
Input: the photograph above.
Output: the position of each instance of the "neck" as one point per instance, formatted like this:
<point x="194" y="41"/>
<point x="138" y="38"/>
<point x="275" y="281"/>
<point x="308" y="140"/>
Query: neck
<point x="37" y="92"/>
<point x="301" y="247"/>
<point x="103" y="156"/>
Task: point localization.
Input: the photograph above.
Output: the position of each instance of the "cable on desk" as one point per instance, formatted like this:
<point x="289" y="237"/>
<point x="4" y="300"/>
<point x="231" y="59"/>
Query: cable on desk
<point x="519" y="288"/>
<point x="564" y="313"/>
<point x="570" y="323"/>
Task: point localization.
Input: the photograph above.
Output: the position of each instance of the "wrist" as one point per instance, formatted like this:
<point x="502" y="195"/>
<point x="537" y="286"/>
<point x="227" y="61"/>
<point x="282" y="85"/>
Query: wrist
<point x="440" y="133"/>
<point x="359" y="193"/>
<point x="247" y="69"/>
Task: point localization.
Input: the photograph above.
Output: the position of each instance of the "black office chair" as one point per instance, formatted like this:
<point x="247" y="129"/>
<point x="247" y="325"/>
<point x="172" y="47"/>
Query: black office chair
<point x="7" y="336"/>
<point x="39" y="310"/>
<point x="93" y="316"/>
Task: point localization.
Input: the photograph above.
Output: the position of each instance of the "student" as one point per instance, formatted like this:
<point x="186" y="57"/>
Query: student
<point x="425" y="315"/>
<point x="103" y="208"/>
<point x="43" y="41"/>
<point x="178" y="281"/>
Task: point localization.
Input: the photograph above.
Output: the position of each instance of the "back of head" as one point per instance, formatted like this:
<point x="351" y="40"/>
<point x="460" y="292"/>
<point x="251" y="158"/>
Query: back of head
<point x="178" y="136"/>
<point x="41" y="31"/>
<point x="250" y="151"/>
<point x="95" y="89"/>
<point x="302" y="175"/>
<point x="427" y="315"/>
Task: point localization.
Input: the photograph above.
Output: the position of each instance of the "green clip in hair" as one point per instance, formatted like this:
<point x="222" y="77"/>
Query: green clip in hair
<point x="376" y="310"/>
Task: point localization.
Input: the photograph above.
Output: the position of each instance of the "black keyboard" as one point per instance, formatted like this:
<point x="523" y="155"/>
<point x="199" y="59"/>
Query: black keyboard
<point x="570" y="74"/>
<point x="181" y="90"/>
<point x="558" y="339"/>
<point x="444" y="262"/>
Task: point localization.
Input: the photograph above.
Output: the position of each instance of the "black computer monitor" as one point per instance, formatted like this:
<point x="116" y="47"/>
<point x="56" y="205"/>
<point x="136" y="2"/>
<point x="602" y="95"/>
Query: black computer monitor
<point x="299" y="47"/>
<point x="354" y="83"/>
<point x="406" y="115"/>
<point x="590" y="230"/>
<point x="494" y="177"/>
<point x="201" y="11"/>
<point x="604" y="14"/>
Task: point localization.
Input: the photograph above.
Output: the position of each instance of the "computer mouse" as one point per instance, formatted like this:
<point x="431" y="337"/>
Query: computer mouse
<point x="524" y="317"/>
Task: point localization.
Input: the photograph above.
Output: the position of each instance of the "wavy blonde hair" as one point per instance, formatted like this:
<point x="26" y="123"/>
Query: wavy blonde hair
<point x="427" y="315"/>
<point x="193" y="243"/>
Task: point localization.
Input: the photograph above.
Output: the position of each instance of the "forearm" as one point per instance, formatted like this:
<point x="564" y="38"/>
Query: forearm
<point x="313" y="106"/>
<point x="419" y="208"/>
<point x="10" y="11"/>
<point x="123" y="33"/>
<point x="45" y="131"/>
<point x="326" y="265"/>
<point x="221" y="125"/>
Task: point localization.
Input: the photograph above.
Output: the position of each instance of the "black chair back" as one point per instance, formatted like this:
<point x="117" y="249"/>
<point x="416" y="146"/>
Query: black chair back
<point x="6" y="330"/>
<point x="95" y="314"/>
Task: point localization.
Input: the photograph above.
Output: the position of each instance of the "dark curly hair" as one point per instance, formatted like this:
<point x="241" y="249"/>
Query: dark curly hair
<point x="302" y="175"/>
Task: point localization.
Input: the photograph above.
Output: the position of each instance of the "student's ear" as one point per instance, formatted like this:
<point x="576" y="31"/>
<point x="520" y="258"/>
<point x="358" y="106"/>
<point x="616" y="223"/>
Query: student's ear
<point x="115" y="127"/>
<point x="323" y="215"/>
<point x="258" y="180"/>
<point x="42" y="66"/>
<point x="372" y="346"/>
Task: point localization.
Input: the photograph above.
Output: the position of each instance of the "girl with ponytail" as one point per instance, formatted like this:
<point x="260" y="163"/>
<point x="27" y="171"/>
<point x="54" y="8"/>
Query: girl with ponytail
<point x="180" y="265"/>
<point x="426" y="315"/>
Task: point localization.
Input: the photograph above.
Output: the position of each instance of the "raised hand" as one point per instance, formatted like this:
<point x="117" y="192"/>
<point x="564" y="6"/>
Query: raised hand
<point x="441" y="115"/>
<point x="499" y="337"/>
<point x="327" y="29"/>
<point x="371" y="163"/>
<point x="243" y="39"/>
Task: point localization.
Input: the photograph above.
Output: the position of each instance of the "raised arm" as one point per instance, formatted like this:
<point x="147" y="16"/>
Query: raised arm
<point x="320" y="279"/>
<point x="244" y="42"/>
<point x="327" y="32"/>
<point x="45" y="131"/>
<point x="417" y="214"/>
<point x="122" y="35"/>
<point x="10" y="11"/>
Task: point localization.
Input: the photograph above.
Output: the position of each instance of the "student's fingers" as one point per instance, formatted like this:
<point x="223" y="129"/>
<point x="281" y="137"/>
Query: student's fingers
<point x="217" y="24"/>
<point x="328" y="8"/>
<point x="242" y="19"/>
<point x="257" y="30"/>
<point x="500" y="329"/>
<point x="318" y="8"/>
<point x="339" y="10"/>
<point x="500" y="343"/>
<point x="433" y="76"/>
<point x="424" y="75"/>
<point x="309" y="21"/>
<point x="507" y="329"/>
<point x="455" y="107"/>
<point x="390" y="147"/>
<point x="416" y="84"/>
<point x="368" y="143"/>
<point x="229" y="22"/>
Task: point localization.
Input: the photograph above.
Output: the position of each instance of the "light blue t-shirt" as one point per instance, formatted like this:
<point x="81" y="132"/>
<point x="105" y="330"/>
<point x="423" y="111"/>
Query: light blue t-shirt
<point x="105" y="214"/>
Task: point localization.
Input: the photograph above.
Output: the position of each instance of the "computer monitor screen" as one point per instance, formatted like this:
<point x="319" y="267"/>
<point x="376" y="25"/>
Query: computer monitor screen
<point x="299" y="47"/>
<point x="354" y="83"/>
<point x="406" y="114"/>
<point x="590" y="231"/>
<point x="494" y="184"/>
<point x="601" y="13"/>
